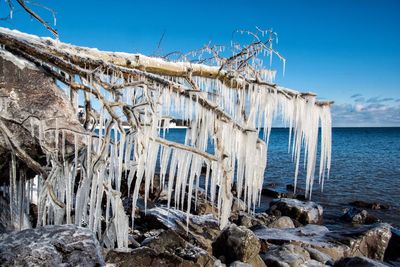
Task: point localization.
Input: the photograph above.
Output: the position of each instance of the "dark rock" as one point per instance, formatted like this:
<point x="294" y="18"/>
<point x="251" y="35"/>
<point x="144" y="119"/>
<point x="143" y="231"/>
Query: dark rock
<point x="304" y="212"/>
<point x="357" y="216"/>
<point x="53" y="245"/>
<point x="274" y="193"/>
<point x="236" y="244"/>
<point x="392" y="252"/>
<point x="170" y="242"/>
<point x="286" y="255"/>
<point x="200" y="231"/>
<point x="367" y="205"/>
<point x="143" y="257"/>
<point x="358" y="262"/>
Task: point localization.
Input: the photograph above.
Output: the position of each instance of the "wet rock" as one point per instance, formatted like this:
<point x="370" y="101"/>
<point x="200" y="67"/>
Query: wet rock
<point x="392" y="252"/>
<point x="286" y="255"/>
<point x="274" y="193"/>
<point x="282" y="222"/>
<point x="53" y="245"/>
<point x="170" y="242"/>
<point x="201" y="230"/>
<point x="358" y="262"/>
<point x="304" y="212"/>
<point x="237" y="244"/>
<point x="367" y="205"/>
<point x="357" y="216"/>
<point x="143" y="257"/>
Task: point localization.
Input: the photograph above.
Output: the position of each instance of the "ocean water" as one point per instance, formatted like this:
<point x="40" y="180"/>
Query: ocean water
<point x="365" y="166"/>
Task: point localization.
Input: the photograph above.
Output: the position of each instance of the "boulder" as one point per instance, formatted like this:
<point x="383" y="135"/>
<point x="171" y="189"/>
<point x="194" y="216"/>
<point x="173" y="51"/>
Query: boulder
<point x="358" y="262"/>
<point x="357" y="216"/>
<point x="286" y="255"/>
<point x="282" y="222"/>
<point x="143" y="257"/>
<point x="237" y="243"/>
<point x="170" y="242"/>
<point x="303" y="211"/>
<point x="27" y="95"/>
<point x="52" y="245"/>
<point x="368" y="240"/>
<point x="200" y="231"/>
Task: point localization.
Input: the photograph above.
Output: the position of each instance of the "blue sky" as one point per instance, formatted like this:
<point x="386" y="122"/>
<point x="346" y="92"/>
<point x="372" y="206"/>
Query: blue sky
<point x="346" y="51"/>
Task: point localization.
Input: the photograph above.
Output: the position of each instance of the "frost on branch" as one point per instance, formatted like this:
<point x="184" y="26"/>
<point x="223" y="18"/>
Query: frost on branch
<point x="227" y="99"/>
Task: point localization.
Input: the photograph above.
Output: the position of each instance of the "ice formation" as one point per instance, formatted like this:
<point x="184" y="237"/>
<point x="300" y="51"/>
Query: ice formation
<point x="231" y="117"/>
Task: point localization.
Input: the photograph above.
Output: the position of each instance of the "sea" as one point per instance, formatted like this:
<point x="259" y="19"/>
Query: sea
<point x="365" y="166"/>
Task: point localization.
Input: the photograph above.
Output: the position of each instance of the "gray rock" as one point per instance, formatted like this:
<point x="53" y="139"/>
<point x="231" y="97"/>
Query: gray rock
<point x="282" y="222"/>
<point x="358" y="262"/>
<point x="303" y="211"/>
<point x="286" y="255"/>
<point x="236" y="244"/>
<point x="53" y="245"/>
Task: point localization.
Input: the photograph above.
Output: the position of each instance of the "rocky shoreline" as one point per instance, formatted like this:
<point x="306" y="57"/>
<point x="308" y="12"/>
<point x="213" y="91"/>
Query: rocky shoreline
<point x="290" y="233"/>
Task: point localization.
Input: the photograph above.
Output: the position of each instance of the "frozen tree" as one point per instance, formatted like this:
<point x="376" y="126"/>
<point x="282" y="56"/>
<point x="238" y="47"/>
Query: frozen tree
<point x="226" y="97"/>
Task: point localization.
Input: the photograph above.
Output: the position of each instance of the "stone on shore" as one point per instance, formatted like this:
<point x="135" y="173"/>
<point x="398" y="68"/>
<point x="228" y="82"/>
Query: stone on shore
<point x="368" y="240"/>
<point x="52" y="245"/>
<point x="171" y="243"/>
<point x="357" y="216"/>
<point x="144" y="257"/>
<point x="201" y="230"/>
<point x="367" y="205"/>
<point x="392" y="252"/>
<point x="286" y="255"/>
<point x="303" y="211"/>
<point x="282" y="222"/>
<point x="237" y="243"/>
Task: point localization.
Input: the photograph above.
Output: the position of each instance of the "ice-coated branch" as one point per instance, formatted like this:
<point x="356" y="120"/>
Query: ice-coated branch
<point x="128" y="101"/>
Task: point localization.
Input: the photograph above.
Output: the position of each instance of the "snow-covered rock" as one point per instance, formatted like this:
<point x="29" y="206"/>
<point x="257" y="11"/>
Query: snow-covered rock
<point x="303" y="211"/>
<point x="52" y="245"/>
<point x="369" y="240"/>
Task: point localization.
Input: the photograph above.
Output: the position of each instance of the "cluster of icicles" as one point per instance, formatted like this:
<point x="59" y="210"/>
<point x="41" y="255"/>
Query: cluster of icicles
<point x="239" y="155"/>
